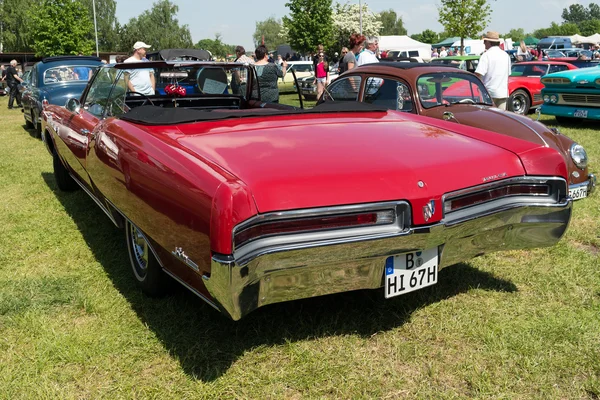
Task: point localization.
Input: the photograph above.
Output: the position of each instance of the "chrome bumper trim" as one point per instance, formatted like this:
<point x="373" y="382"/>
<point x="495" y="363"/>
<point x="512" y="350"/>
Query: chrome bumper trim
<point x="296" y="273"/>
<point x="590" y="183"/>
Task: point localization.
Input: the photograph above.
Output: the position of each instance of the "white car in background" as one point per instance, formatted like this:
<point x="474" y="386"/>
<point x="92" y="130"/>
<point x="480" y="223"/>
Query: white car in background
<point x="302" y="69"/>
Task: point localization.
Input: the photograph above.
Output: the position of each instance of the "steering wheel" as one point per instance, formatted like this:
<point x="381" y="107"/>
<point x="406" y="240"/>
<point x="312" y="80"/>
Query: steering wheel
<point x="467" y="101"/>
<point x="146" y="98"/>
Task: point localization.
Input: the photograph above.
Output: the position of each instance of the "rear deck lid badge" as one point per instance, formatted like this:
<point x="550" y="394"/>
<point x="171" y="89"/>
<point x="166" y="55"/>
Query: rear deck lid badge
<point x="495" y="177"/>
<point x="429" y="210"/>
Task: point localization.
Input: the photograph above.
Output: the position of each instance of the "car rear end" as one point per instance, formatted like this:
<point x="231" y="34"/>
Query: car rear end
<point x="378" y="203"/>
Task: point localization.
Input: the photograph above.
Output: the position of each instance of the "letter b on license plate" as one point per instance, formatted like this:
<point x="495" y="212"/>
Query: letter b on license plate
<point x="408" y="272"/>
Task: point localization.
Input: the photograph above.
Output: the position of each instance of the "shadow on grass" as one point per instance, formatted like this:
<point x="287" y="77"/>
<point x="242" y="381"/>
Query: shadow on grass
<point x="206" y="343"/>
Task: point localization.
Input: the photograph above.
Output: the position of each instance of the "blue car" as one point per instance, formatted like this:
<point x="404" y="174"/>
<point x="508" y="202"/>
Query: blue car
<point x="573" y="94"/>
<point x="55" y="80"/>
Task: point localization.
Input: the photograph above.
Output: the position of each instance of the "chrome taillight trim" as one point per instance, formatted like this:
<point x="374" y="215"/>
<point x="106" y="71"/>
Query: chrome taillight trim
<point x="558" y="191"/>
<point x="260" y="245"/>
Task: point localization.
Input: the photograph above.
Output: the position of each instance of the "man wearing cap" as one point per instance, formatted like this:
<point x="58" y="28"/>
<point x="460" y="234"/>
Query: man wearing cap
<point x="140" y="80"/>
<point x="494" y="68"/>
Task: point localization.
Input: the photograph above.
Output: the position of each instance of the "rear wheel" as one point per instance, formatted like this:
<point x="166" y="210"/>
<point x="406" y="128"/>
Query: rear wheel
<point x="519" y="102"/>
<point x="147" y="272"/>
<point x="64" y="181"/>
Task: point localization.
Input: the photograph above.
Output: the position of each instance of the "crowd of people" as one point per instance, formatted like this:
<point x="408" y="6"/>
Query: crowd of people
<point x="493" y="68"/>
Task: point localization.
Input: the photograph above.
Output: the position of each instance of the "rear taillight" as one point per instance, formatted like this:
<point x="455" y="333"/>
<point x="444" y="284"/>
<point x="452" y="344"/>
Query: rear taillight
<point x="495" y="194"/>
<point x="313" y="224"/>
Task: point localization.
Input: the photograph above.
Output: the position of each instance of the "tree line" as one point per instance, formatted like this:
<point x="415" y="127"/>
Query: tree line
<point x="56" y="27"/>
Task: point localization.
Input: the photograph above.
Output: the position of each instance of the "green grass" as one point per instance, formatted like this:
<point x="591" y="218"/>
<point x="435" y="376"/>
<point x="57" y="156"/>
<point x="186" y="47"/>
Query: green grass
<point x="515" y="325"/>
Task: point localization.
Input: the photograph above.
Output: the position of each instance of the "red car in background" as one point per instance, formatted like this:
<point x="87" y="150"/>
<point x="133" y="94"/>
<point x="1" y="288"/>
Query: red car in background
<point x="525" y="83"/>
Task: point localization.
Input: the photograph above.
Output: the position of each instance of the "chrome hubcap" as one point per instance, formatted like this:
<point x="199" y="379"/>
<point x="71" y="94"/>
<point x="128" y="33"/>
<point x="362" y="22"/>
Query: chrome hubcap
<point x="518" y="104"/>
<point x="139" y="247"/>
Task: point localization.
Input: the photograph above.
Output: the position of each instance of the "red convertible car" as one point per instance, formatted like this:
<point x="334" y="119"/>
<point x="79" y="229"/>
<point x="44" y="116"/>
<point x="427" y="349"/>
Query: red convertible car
<point x="455" y="95"/>
<point x="525" y="83"/>
<point x="248" y="203"/>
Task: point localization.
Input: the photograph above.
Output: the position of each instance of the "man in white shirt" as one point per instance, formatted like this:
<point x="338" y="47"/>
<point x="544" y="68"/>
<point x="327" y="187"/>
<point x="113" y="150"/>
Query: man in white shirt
<point x="443" y="52"/>
<point x="494" y="68"/>
<point x="140" y="80"/>
<point x="368" y="55"/>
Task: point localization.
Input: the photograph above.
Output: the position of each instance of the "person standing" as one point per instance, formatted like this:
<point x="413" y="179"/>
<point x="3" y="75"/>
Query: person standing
<point x="356" y="45"/>
<point x="369" y="56"/>
<point x="494" y="68"/>
<point x="321" y="74"/>
<point x="140" y="80"/>
<point x="12" y="80"/>
<point x="443" y="52"/>
<point x="267" y="74"/>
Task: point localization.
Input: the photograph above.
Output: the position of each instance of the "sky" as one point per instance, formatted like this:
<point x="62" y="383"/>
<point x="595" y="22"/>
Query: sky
<point x="236" y="20"/>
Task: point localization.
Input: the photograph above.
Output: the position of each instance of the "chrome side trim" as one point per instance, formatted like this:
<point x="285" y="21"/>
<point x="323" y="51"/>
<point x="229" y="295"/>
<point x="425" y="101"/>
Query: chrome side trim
<point x="193" y="290"/>
<point x="102" y="207"/>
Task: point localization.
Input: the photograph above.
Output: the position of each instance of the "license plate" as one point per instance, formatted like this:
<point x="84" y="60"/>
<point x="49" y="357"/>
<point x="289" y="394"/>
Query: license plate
<point x="410" y="271"/>
<point x="580" y="113"/>
<point x="578" y="193"/>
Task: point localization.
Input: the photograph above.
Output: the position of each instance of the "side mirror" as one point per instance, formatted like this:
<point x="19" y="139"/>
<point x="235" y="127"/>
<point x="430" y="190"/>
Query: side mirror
<point x="73" y="105"/>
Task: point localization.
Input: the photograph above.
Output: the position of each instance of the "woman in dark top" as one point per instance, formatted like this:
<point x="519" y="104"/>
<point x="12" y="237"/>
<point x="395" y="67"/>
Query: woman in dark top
<point x="267" y="74"/>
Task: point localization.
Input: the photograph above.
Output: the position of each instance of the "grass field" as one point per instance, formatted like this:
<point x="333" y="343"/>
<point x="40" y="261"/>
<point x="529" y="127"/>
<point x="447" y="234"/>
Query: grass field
<point x="515" y="325"/>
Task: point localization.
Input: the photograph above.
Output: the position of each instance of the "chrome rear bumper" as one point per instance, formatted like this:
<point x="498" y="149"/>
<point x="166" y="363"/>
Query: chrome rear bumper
<point x="316" y="269"/>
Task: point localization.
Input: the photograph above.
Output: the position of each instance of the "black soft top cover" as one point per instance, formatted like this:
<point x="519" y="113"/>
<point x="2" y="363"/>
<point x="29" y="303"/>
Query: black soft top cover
<point x="153" y="115"/>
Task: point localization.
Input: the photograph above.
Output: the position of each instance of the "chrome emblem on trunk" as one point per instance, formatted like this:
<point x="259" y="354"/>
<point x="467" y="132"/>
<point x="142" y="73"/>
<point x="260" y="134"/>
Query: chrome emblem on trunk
<point x="429" y="210"/>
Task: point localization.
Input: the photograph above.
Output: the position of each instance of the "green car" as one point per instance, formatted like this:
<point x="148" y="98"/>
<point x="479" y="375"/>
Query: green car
<point x="466" y="63"/>
<point x="572" y="94"/>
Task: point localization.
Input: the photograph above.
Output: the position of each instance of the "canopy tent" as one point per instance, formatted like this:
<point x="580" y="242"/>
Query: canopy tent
<point x="447" y="42"/>
<point x="531" y="41"/>
<point x="472" y="46"/>
<point x="595" y="38"/>
<point x="576" y="39"/>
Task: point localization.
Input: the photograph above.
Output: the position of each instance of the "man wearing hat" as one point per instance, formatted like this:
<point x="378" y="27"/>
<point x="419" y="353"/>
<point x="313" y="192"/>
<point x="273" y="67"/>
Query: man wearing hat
<point x="140" y="80"/>
<point x="494" y="68"/>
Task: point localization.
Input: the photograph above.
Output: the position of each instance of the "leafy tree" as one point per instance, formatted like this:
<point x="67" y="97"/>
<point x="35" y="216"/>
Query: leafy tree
<point x="157" y="27"/>
<point x="217" y="48"/>
<point x="272" y="31"/>
<point x="427" y="36"/>
<point x="575" y="14"/>
<point x="516" y="35"/>
<point x="346" y="21"/>
<point x="61" y="27"/>
<point x="464" y="18"/>
<point x="392" y="24"/>
<point x="589" y="27"/>
<point x="555" y="29"/>
<point x="106" y="20"/>
<point x="16" y="24"/>
<point x="309" y="24"/>
<point x="594" y="11"/>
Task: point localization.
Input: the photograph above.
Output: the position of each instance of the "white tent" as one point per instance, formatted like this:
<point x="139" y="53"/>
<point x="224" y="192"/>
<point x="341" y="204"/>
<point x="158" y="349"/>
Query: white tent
<point x="595" y="38"/>
<point x="473" y="47"/>
<point x="405" y="43"/>
<point x="576" y="39"/>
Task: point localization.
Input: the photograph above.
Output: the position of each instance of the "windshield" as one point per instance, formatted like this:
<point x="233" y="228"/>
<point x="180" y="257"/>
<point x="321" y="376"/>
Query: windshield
<point x="445" y="88"/>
